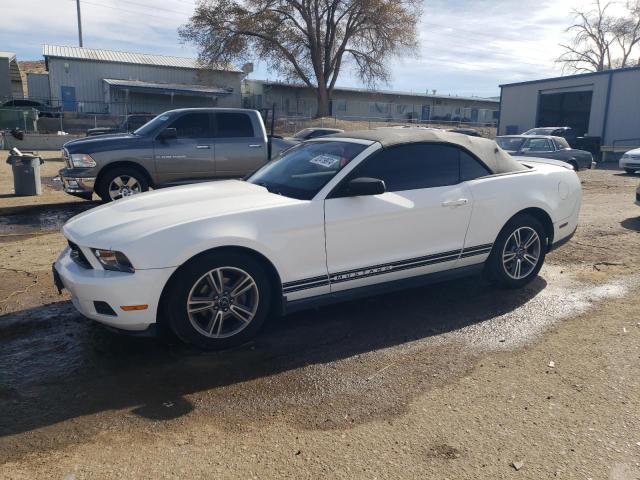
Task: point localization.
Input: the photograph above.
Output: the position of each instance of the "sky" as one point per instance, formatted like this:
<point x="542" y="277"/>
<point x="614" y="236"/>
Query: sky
<point x="466" y="47"/>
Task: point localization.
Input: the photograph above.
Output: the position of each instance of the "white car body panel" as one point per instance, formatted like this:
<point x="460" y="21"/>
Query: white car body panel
<point x="318" y="246"/>
<point x="366" y="234"/>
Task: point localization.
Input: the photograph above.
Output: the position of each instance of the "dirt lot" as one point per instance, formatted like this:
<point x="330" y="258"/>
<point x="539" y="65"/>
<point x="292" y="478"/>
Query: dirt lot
<point x="538" y="383"/>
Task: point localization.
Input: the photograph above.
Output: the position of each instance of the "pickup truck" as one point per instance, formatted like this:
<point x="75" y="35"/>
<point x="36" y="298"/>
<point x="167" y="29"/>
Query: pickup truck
<point x="176" y="147"/>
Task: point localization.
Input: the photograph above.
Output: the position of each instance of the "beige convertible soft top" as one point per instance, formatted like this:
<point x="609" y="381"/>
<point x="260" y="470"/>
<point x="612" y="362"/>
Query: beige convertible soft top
<point x="486" y="150"/>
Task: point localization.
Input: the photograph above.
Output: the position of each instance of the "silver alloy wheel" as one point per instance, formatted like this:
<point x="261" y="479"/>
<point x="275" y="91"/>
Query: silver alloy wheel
<point x="124" y="186"/>
<point x="521" y="252"/>
<point x="223" y="302"/>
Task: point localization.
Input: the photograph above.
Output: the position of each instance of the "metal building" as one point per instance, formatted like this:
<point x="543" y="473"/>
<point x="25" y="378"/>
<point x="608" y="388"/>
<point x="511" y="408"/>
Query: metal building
<point x="10" y="79"/>
<point x="106" y="81"/>
<point x="293" y="100"/>
<point x="600" y="104"/>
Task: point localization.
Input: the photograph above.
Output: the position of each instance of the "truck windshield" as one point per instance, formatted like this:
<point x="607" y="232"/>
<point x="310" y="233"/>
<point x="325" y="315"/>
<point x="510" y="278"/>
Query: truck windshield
<point x="301" y="171"/>
<point x="152" y="125"/>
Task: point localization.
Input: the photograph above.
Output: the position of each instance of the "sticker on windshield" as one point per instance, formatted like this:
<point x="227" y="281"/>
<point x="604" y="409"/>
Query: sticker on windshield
<point x="325" y="160"/>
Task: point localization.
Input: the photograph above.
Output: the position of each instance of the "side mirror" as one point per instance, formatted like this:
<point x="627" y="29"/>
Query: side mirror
<point x="168" y="134"/>
<point x="365" y="186"/>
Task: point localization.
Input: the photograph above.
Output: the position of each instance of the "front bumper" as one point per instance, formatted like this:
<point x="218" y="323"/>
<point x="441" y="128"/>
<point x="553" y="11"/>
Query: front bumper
<point x="116" y="289"/>
<point x="74" y="184"/>
<point x="630" y="162"/>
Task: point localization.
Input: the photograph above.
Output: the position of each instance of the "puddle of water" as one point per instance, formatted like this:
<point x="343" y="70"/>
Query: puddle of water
<point x="563" y="297"/>
<point x="47" y="221"/>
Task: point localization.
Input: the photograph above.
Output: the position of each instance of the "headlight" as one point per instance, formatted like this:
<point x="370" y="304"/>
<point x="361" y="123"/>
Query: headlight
<point x="81" y="160"/>
<point x="112" y="260"/>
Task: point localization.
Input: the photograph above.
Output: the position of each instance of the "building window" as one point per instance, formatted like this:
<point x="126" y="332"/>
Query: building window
<point x="341" y="105"/>
<point x="378" y="107"/>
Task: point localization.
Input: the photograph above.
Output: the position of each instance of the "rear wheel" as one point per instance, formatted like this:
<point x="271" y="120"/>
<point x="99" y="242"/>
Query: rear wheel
<point x="518" y="253"/>
<point x="630" y="170"/>
<point x="120" y="183"/>
<point x="574" y="164"/>
<point x="219" y="300"/>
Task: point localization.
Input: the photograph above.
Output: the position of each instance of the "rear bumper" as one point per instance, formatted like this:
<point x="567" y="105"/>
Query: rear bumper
<point x="563" y="240"/>
<point x="116" y="289"/>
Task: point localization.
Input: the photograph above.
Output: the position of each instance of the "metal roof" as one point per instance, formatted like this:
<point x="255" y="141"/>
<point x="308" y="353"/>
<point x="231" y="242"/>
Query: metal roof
<point x="102" y="55"/>
<point x="137" y="85"/>
<point x="385" y="92"/>
<point x="577" y="75"/>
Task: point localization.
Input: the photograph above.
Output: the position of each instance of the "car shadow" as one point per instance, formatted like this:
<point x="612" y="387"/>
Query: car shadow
<point x="34" y="219"/>
<point x="631" y="224"/>
<point x="56" y="365"/>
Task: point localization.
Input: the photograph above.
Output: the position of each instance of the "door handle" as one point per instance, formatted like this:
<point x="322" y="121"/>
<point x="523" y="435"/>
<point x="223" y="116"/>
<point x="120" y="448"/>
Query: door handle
<point x="203" y="147"/>
<point x="455" y="203"/>
<point x="255" y="145"/>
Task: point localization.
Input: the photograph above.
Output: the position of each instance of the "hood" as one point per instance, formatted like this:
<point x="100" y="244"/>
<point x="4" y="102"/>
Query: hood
<point x="140" y="216"/>
<point x="101" y="143"/>
<point x="546" y="161"/>
<point x="635" y="152"/>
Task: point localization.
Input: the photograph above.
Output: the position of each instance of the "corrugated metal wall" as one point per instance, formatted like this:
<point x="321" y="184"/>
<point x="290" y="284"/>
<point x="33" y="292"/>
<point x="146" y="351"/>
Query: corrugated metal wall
<point x="519" y="106"/>
<point x="38" y="86"/>
<point x="87" y="78"/>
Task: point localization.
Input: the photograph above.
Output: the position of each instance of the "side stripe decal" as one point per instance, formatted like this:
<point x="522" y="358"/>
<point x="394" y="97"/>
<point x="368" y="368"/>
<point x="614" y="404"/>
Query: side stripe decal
<point x="381" y="269"/>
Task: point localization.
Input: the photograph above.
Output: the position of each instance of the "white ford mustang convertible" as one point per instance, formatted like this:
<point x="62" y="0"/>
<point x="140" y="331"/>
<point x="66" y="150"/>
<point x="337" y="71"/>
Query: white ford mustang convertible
<point x="335" y="218"/>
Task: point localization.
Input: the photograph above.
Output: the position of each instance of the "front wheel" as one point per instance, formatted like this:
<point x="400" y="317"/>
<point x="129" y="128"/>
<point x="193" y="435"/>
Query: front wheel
<point x="219" y="300"/>
<point x="120" y="183"/>
<point x="518" y="253"/>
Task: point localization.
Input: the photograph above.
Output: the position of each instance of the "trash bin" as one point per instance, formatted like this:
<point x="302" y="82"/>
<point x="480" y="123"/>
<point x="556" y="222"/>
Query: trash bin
<point x="26" y="172"/>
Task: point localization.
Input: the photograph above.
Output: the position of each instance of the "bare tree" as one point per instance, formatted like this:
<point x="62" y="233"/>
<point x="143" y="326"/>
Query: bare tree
<point x="307" y="41"/>
<point x="602" y="40"/>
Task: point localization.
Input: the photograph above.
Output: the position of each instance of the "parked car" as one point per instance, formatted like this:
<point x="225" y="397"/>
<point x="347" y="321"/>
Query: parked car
<point x="130" y="124"/>
<point x="546" y="146"/>
<point x="466" y="131"/>
<point x="43" y="109"/>
<point x="588" y="143"/>
<point x="314" y="132"/>
<point x="630" y="161"/>
<point x="331" y="219"/>
<point x="179" y="146"/>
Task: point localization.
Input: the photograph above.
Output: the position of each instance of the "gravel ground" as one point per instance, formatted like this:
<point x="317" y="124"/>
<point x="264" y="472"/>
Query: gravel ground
<point x="538" y="383"/>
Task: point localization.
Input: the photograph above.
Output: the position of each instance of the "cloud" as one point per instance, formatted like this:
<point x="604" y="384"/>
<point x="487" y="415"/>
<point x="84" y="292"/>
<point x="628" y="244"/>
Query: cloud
<point x="466" y="46"/>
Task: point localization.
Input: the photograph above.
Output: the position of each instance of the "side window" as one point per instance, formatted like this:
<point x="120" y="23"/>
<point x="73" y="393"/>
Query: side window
<point x="561" y="143"/>
<point x="232" y="124"/>
<point x="193" y="125"/>
<point x="471" y="168"/>
<point x="409" y="167"/>
<point x="539" y="145"/>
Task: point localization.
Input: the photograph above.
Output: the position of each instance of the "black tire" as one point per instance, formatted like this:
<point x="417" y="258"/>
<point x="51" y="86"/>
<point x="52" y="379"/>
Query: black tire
<point x="630" y="171"/>
<point x="187" y="278"/>
<point x="575" y="165"/>
<point x="106" y="179"/>
<point x="495" y="269"/>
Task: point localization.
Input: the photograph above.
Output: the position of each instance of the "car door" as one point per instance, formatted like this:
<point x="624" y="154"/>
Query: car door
<point x="240" y="144"/>
<point x="417" y="226"/>
<point x="189" y="156"/>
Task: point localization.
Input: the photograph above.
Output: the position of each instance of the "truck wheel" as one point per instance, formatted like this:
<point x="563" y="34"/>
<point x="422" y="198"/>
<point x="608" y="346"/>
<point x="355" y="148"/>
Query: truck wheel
<point x="518" y="253"/>
<point x="218" y="300"/>
<point x="121" y="182"/>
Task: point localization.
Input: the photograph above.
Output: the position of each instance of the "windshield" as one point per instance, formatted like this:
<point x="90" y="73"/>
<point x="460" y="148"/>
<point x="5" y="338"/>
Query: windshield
<point x="301" y="171"/>
<point x="540" y="131"/>
<point x="303" y="134"/>
<point x="151" y="125"/>
<point x="510" y="143"/>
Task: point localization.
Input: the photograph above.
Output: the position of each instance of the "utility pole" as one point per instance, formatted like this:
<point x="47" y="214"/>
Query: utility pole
<point x="79" y="23"/>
